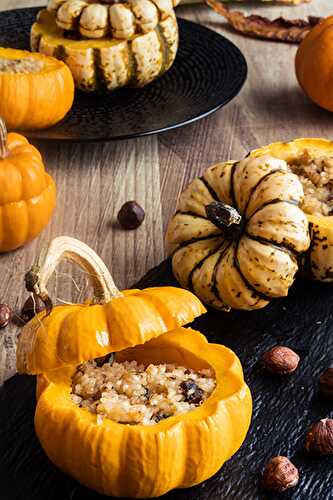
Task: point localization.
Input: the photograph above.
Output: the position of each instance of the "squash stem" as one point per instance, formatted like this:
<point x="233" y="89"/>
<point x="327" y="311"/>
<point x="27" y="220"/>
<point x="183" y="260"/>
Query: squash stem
<point x="225" y="218"/>
<point x="66" y="248"/>
<point x="4" y="152"/>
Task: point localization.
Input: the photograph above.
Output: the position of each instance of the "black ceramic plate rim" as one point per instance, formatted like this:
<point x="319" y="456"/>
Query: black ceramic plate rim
<point x="35" y="134"/>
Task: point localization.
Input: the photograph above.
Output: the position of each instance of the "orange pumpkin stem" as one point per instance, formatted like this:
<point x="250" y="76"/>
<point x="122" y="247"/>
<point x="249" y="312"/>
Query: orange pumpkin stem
<point x="71" y="249"/>
<point x="4" y="152"/>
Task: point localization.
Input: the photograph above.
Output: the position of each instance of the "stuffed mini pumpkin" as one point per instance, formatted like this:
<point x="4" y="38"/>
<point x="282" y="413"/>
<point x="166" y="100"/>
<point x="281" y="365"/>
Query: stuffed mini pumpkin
<point x="130" y="43"/>
<point x="140" y="461"/>
<point x="237" y="233"/>
<point x="36" y="91"/>
<point x="27" y="194"/>
<point x="312" y="161"/>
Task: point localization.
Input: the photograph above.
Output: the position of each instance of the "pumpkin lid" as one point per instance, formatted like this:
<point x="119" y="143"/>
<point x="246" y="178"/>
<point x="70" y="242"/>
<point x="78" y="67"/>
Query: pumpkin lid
<point x="72" y="334"/>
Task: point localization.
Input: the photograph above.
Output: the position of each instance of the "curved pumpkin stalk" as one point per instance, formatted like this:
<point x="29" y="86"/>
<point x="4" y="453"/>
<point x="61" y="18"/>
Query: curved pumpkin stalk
<point x="67" y="248"/>
<point x="3" y="140"/>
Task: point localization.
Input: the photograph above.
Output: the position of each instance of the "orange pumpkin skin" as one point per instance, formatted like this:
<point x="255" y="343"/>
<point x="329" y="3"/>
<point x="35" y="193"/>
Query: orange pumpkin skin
<point x="112" y="458"/>
<point x="132" y="319"/>
<point x="140" y="461"/>
<point x="35" y="100"/>
<point x="314" y="64"/>
<point x="27" y="195"/>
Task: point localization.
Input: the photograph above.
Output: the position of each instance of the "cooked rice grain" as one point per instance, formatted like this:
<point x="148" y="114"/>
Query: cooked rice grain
<point x="316" y="176"/>
<point x="134" y="394"/>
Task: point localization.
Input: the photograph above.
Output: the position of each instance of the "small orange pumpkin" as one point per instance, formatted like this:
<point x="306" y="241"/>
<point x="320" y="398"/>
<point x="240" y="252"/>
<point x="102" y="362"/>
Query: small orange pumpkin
<point x="36" y="91"/>
<point x="27" y="194"/>
<point x="113" y="458"/>
<point x="314" y="64"/>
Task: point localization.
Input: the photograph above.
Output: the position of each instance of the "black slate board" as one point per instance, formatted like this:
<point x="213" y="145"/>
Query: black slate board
<point x="283" y="407"/>
<point x="208" y="72"/>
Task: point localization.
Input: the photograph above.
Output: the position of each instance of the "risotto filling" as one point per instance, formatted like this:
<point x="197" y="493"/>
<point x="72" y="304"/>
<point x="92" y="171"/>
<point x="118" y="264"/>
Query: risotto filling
<point x="132" y="393"/>
<point x="25" y="65"/>
<point x="316" y="176"/>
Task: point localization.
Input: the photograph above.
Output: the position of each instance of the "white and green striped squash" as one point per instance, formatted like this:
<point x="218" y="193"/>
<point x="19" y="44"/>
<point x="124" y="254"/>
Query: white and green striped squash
<point x="237" y="233"/>
<point x="109" y="63"/>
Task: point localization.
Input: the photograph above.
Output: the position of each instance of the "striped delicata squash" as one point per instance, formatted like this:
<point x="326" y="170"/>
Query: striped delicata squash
<point x="238" y="230"/>
<point x="312" y="160"/>
<point x="109" y="45"/>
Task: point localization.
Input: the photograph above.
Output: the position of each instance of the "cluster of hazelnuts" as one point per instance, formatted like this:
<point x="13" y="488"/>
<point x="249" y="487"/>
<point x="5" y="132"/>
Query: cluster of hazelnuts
<point x="280" y="473"/>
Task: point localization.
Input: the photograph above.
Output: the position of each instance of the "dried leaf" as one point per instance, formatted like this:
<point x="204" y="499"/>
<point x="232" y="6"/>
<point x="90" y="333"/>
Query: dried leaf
<point x="292" y="31"/>
<point x="285" y="2"/>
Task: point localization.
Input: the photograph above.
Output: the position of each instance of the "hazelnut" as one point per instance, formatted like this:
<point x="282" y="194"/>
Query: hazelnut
<point x="32" y="306"/>
<point x="280" y="474"/>
<point x="131" y="215"/>
<point x="319" y="439"/>
<point x="281" y="360"/>
<point x="5" y="315"/>
<point x="326" y="384"/>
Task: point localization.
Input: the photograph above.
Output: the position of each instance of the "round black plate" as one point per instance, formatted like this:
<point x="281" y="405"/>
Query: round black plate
<point x="208" y="72"/>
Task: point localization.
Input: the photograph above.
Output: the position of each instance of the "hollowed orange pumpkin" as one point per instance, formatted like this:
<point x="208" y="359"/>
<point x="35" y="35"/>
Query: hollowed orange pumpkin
<point x="113" y="458"/>
<point x="36" y="91"/>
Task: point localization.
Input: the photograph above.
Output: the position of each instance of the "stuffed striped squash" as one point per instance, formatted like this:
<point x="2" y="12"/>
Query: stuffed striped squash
<point x="237" y="233"/>
<point x="114" y="56"/>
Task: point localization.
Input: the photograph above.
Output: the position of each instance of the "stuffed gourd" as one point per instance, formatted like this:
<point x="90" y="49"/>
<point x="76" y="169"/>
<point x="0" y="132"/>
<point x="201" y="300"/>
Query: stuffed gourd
<point x="44" y="85"/>
<point x="27" y="194"/>
<point x="312" y="161"/>
<point x="119" y="59"/>
<point x="237" y="232"/>
<point x="138" y="460"/>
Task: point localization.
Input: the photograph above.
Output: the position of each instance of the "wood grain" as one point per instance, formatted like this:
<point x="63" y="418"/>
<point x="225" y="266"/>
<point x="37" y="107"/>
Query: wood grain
<point x="94" y="180"/>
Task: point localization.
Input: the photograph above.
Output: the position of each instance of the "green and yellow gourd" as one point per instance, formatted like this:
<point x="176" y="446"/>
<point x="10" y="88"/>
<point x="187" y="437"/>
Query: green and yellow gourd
<point x="237" y="233"/>
<point x="108" y="46"/>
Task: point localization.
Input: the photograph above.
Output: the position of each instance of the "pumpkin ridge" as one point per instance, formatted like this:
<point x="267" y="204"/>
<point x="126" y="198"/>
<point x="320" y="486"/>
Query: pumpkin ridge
<point x="200" y="263"/>
<point x="132" y="66"/>
<point x="273" y="202"/>
<point x="306" y="256"/>
<point x="279" y="246"/>
<point x="261" y="295"/>
<point x="214" y="287"/>
<point x="194" y="240"/>
<point x="31" y="198"/>
<point x="191" y="214"/>
<point x="98" y="71"/>
<point x="253" y="189"/>
<point x="209" y="188"/>
<point x="164" y="49"/>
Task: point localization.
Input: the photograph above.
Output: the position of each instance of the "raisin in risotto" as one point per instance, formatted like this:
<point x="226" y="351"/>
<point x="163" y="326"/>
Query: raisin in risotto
<point x="131" y="393"/>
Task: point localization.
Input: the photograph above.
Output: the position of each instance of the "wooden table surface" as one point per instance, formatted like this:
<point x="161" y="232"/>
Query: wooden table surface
<point x="93" y="181"/>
